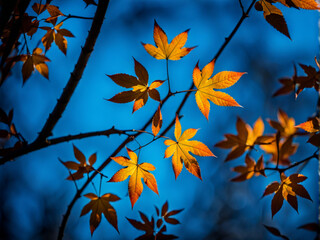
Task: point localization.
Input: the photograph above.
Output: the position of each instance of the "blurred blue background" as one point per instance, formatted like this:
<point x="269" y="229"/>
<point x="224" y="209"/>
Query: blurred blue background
<point x="34" y="193"/>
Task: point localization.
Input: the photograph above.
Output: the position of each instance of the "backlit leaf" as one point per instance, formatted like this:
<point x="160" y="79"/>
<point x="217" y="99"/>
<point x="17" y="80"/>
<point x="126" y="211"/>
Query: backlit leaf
<point x="157" y="122"/>
<point x="98" y="206"/>
<point x="165" y="50"/>
<point x="140" y="88"/>
<point x="136" y="172"/>
<point x="287" y="190"/>
<point x="180" y="150"/>
<point x="205" y="86"/>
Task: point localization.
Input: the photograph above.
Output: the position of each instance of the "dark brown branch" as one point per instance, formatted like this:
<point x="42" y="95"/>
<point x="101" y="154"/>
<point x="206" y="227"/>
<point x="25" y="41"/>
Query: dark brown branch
<point x="281" y="170"/>
<point x="227" y="39"/>
<point x="76" y="75"/>
<point x="68" y="91"/>
<point x="11" y="153"/>
<point x="129" y="139"/>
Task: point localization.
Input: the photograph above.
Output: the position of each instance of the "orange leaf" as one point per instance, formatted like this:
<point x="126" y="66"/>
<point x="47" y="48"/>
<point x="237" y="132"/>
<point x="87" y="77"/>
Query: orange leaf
<point x="157" y="122"/>
<point x="205" y="86"/>
<point x="246" y="138"/>
<point x="305" y="4"/>
<point x="287" y="189"/>
<point x="34" y="61"/>
<point x="252" y="168"/>
<point x="180" y="150"/>
<point x="165" y="50"/>
<point x="58" y="36"/>
<point x="99" y="205"/>
<point x="310" y="126"/>
<point x="136" y="172"/>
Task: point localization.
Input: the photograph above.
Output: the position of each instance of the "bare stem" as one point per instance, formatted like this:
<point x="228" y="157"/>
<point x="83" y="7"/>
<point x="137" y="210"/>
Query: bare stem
<point x="167" y="65"/>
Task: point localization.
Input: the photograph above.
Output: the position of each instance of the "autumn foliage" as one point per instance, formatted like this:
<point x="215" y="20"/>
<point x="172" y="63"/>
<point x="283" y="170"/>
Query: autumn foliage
<point x="264" y="149"/>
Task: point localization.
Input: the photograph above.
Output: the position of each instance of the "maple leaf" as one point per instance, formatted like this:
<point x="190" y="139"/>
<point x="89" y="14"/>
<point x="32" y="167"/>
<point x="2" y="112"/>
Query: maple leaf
<point x="245" y="140"/>
<point x="205" y="86"/>
<point x="305" y="4"/>
<point x="167" y="216"/>
<point x="286" y="149"/>
<point x="136" y="172"/>
<point x="141" y="89"/>
<point x="157" y="122"/>
<point x="312" y="126"/>
<point x="288" y="189"/>
<point x="289" y="84"/>
<point x="285" y="125"/>
<point x="273" y="16"/>
<point x="312" y="80"/>
<point x="180" y="150"/>
<point x="148" y="226"/>
<point x="58" y="36"/>
<point x="99" y="205"/>
<point x="165" y="50"/>
<point x="52" y="10"/>
<point x="34" y="61"/>
<point x="252" y="168"/>
<point x="82" y="167"/>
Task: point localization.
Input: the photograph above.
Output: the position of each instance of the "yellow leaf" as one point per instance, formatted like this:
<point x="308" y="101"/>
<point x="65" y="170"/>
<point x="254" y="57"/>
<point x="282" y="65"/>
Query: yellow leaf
<point x="180" y="150"/>
<point x="136" y="172"/>
<point x="205" y="86"/>
<point x="164" y="50"/>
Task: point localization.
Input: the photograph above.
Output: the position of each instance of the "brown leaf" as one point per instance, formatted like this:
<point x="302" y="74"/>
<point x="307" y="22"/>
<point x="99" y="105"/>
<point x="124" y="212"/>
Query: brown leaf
<point x="98" y="206"/>
<point x="274" y="17"/>
<point x="141" y="90"/>
<point x="275" y="232"/>
<point x="157" y="122"/>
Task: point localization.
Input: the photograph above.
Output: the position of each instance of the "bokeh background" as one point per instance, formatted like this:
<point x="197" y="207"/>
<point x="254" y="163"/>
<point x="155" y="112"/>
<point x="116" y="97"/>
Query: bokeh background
<point x="34" y="193"/>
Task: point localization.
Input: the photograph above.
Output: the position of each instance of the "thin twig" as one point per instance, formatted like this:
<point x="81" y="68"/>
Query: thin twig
<point x="280" y="170"/>
<point x="242" y="8"/>
<point x="69" y="16"/>
<point x="227" y="39"/>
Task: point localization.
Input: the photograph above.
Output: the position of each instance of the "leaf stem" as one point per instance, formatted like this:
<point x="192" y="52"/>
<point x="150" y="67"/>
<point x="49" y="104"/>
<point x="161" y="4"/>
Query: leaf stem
<point x="168" y="79"/>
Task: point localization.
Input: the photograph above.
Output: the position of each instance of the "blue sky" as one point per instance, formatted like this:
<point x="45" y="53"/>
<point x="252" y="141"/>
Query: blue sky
<point x="212" y="206"/>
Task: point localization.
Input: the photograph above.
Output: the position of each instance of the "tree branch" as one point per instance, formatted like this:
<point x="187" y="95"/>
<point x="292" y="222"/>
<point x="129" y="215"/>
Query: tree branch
<point x="129" y="139"/>
<point x="281" y="170"/>
<point x="68" y="91"/>
<point x="76" y="75"/>
<point x="11" y="153"/>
